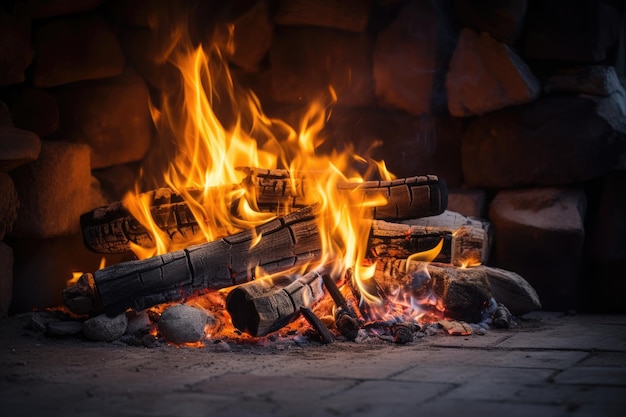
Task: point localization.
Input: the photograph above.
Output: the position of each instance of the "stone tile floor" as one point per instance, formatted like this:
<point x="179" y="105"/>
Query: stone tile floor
<point x="550" y="365"/>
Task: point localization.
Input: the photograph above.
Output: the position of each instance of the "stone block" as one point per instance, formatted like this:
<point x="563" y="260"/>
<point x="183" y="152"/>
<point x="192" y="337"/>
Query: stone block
<point x="600" y="80"/>
<point x="408" y="60"/>
<point x="53" y="191"/>
<point x="6" y="278"/>
<point x="487" y="75"/>
<point x="41" y="9"/>
<point x="17" y="147"/>
<point x="560" y="31"/>
<point x="42" y="268"/>
<point x="539" y="234"/>
<point x="75" y="48"/>
<point x="606" y="244"/>
<point x="5" y="115"/>
<point x="8" y="204"/>
<point x="16" y="51"/>
<point x="468" y="202"/>
<point x="409" y="145"/>
<point x="306" y="61"/>
<point x="518" y="146"/>
<point x="117" y="180"/>
<point x="35" y="110"/>
<point x="351" y="15"/>
<point x="140" y="13"/>
<point x="111" y="116"/>
<point x="143" y="53"/>
<point x="252" y="37"/>
<point x="503" y="20"/>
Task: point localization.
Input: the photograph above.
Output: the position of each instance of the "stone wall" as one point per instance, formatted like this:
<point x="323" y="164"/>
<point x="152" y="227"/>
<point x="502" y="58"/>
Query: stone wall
<point x="518" y="104"/>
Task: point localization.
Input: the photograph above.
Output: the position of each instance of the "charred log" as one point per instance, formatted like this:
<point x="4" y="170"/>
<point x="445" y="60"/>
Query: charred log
<point x="462" y="245"/>
<point x="285" y="242"/>
<point x="112" y="229"/>
<point x="320" y="328"/>
<point x="461" y="293"/>
<point x="264" y="306"/>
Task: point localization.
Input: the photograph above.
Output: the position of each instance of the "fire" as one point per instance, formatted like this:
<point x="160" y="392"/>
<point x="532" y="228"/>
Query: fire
<point x="219" y="127"/>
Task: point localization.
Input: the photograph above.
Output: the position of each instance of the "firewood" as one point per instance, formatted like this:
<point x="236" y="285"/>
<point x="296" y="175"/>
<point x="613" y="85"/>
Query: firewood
<point x="285" y="242"/>
<point x="264" y="306"/>
<point x="463" y="244"/>
<point x="345" y="317"/>
<point x="320" y="328"/>
<point x="112" y="228"/>
<point x="462" y="293"/>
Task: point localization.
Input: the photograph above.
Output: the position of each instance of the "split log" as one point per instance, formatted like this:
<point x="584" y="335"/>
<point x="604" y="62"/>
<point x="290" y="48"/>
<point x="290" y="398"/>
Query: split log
<point x="264" y="306"/>
<point x="112" y="228"/>
<point x="460" y="293"/>
<point x="285" y="242"/>
<point x="468" y="244"/>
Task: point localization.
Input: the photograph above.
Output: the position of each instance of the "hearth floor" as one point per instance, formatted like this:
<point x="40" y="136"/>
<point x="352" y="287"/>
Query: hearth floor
<point x="550" y="365"/>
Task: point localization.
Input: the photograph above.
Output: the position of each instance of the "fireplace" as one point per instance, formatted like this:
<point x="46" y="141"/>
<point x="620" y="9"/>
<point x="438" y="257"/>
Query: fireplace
<point x="521" y="111"/>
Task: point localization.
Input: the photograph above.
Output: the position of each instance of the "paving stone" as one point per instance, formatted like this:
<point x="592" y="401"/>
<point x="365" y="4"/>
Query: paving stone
<point x="610" y="359"/>
<point x="371" y="398"/>
<point x="569" y="334"/>
<point x="37" y="374"/>
<point x="445" y="408"/>
<point x="571" y="395"/>
<point x="590" y="375"/>
<point x="272" y="387"/>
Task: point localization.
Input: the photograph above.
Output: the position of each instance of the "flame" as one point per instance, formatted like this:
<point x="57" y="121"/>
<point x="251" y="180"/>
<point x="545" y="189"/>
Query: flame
<point x="220" y="127"/>
<point x="76" y="274"/>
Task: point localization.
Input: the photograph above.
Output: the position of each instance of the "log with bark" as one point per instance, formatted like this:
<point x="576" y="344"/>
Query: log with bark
<point x="285" y="242"/>
<point x="456" y="293"/>
<point x="112" y="229"/>
<point x="266" y="305"/>
<point x="467" y="243"/>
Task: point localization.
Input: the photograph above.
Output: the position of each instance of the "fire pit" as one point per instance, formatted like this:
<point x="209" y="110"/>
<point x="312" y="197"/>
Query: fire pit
<point x="274" y="166"/>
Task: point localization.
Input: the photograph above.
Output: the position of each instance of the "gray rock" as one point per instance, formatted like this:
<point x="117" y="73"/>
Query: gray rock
<point x="138" y="322"/>
<point x="183" y="324"/>
<point x="105" y="329"/>
<point x="539" y="234"/>
<point x="64" y="328"/>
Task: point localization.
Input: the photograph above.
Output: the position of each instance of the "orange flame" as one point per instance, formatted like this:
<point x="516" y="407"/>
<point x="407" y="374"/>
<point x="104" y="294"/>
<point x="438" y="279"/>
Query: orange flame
<point x="210" y="148"/>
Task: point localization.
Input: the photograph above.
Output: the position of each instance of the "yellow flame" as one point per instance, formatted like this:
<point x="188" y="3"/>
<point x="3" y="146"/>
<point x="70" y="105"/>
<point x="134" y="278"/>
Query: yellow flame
<point x="425" y="256"/>
<point x="211" y="148"/>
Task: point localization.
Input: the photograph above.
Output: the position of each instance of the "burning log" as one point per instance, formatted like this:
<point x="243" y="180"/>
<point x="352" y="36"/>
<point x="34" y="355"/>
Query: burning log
<point x="345" y="317"/>
<point x="459" y="293"/>
<point x="466" y="244"/>
<point x="264" y="306"/>
<point x="325" y="335"/>
<point x="112" y="228"/>
<point x="284" y="243"/>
